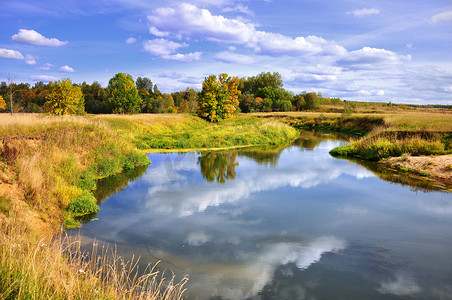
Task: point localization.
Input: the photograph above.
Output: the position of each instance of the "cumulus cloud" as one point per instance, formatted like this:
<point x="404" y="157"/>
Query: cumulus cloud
<point x="189" y="57"/>
<point x="190" y="21"/>
<point x="46" y="67"/>
<point x="32" y="37"/>
<point x="230" y="57"/>
<point x="161" y="47"/>
<point x="371" y="57"/>
<point x="44" y="78"/>
<point x="404" y="285"/>
<point x="11" y="54"/>
<point x="364" y="12"/>
<point x="30" y="59"/>
<point x="444" y="16"/>
<point x="131" y="40"/>
<point x="165" y="49"/>
<point x="66" y="69"/>
<point x="197" y="238"/>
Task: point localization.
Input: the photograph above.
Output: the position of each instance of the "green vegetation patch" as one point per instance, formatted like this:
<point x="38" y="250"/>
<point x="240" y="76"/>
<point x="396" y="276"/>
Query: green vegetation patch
<point x="228" y="133"/>
<point x="83" y="205"/>
<point x="383" y="144"/>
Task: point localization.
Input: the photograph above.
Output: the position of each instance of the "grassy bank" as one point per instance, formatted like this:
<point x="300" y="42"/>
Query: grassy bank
<point x="48" y="172"/>
<point x="411" y="133"/>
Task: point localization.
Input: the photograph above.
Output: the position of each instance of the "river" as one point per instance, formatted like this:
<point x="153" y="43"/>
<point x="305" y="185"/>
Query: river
<point x="292" y="223"/>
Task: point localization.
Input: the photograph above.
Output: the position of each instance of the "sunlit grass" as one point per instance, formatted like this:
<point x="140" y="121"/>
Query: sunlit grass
<point x="39" y="268"/>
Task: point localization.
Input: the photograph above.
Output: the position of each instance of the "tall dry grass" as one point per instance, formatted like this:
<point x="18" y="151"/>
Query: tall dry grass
<point x="31" y="267"/>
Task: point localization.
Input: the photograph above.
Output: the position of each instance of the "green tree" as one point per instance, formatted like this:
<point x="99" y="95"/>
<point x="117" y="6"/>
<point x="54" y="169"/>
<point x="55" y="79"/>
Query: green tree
<point x="311" y="101"/>
<point x="250" y="85"/>
<point x="144" y="83"/>
<point x="166" y="103"/>
<point x="65" y="98"/>
<point x="219" y="98"/>
<point x="192" y="98"/>
<point x="123" y="94"/>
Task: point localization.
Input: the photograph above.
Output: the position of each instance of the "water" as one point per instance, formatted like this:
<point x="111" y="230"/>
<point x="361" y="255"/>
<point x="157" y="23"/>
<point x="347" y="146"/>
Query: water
<point x="282" y="224"/>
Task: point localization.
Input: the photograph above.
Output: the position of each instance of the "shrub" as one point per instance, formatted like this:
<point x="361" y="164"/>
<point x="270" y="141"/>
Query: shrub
<point x="85" y="204"/>
<point x="134" y="160"/>
<point x="87" y="180"/>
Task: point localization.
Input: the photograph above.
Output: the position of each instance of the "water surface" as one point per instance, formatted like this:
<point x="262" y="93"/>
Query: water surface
<point x="294" y="223"/>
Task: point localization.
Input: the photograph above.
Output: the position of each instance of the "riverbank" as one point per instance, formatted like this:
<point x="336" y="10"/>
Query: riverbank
<point x="48" y="171"/>
<point x="385" y="136"/>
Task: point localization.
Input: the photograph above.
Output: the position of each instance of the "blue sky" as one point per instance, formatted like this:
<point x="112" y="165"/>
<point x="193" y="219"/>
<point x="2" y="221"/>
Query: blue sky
<point x="397" y="50"/>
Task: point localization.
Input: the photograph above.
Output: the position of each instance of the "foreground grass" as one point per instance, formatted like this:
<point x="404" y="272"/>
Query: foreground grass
<point x="48" y="172"/>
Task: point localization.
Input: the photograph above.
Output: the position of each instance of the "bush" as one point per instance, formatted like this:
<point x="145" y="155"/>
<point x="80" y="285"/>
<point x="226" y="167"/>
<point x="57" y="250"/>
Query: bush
<point x="134" y="160"/>
<point x="87" y="181"/>
<point x="85" y="204"/>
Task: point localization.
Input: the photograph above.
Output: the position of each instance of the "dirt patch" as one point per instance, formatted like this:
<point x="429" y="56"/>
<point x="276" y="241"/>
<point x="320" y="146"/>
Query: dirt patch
<point x="439" y="167"/>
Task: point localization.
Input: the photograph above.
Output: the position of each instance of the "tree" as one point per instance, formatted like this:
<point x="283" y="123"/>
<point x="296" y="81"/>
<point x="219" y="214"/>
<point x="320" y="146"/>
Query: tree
<point x="192" y="98"/>
<point x="219" y="98"/>
<point x="123" y="94"/>
<point x="250" y="85"/>
<point x="184" y="107"/>
<point x="144" y="83"/>
<point x="2" y="103"/>
<point x="65" y="98"/>
<point x="311" y="101"/>
<point x="166" y="103"/>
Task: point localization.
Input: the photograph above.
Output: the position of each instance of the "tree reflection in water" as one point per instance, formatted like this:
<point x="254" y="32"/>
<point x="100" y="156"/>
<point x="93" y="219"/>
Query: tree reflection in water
<point x="219" y="166"/>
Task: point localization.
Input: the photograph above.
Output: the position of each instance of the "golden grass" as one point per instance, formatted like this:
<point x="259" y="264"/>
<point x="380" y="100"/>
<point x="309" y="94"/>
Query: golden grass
<point x="58" y="269"/>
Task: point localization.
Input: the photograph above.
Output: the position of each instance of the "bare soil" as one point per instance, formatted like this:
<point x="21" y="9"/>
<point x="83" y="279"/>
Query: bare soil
<point x="439" y="167"/>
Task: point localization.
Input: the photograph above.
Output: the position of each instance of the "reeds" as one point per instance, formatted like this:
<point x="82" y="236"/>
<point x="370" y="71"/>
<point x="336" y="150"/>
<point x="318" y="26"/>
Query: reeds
<point x="33" y="268"/>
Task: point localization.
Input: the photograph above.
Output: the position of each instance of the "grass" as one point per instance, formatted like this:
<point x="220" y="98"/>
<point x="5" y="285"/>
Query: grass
<point x="60" y="270"/>
<point x="199" y="134"/>
<point x="51" y="166"/>
<point x="413" y="132"/>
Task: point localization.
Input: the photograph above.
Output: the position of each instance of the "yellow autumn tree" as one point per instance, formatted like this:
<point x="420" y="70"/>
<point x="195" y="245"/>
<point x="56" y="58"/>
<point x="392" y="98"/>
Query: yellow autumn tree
<point x="65" y="98"/>
<point x="219" y="98"/>
<point x="2" y="103"/>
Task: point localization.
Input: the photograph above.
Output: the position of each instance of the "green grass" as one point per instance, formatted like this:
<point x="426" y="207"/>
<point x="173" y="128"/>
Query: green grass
<point x="382" y="144"/>
<point x="199" y="134"/>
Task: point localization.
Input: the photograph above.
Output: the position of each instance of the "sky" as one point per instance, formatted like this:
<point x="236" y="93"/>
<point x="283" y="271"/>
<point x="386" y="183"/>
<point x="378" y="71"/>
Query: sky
<point x="387" y="50"/>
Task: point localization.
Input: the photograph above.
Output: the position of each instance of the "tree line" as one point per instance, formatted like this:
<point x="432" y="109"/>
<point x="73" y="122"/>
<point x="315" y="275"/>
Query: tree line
<point x="221" y="97"/>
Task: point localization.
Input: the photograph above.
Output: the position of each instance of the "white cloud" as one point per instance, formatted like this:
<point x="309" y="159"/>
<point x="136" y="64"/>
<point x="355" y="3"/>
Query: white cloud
<point x="189" y="57"/>
<point x="165" y="49"/>
<point x="30" y="59"/>
<point x="371" y="57"/>
<point x="380" y="93"/>
<point x="66" y="69"/>
<point x="230" y="57"/>
<point x="240" y="9"/>
<point x="46" y="67"/>
<point x="444" y="16"/>
<point x="364" y="12"/>
<point x="188" y="20"/>
<point x="197" y="238"/>
<point x="131" y="40"/>
<point x="32" y="37"/>
<point x="11" y="54"/>
<point x="404" y="285"/>
<point x="44" y="78"/>
<point x="448" y="89"/>
<point x="161" y="47"/>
